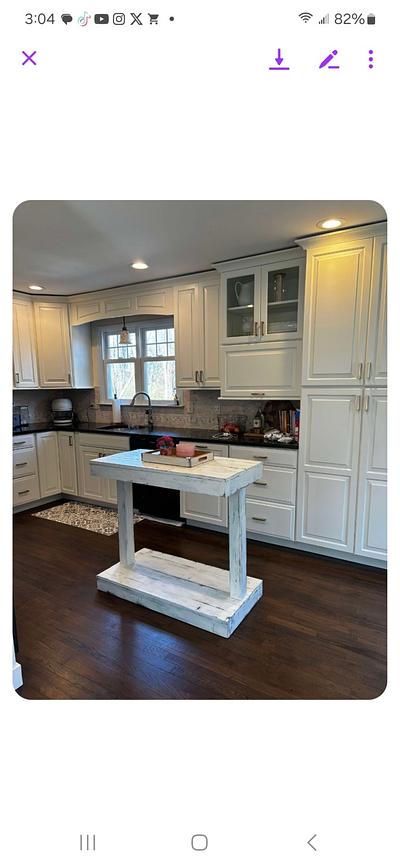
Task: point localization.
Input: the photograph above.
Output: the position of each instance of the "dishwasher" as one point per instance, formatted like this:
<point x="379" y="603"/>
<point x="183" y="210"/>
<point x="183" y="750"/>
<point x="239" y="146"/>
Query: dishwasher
<point x="161" y="504"/>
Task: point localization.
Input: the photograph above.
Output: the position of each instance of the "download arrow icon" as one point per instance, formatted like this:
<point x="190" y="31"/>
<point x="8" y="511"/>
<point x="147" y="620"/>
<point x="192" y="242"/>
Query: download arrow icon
<point x="279" y="59"/>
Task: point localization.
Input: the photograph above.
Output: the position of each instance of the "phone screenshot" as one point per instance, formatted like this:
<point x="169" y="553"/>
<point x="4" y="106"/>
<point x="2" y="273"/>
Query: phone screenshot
<point x="201" y="608"/>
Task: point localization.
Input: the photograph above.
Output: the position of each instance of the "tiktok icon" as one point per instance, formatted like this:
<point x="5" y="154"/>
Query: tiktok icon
<point x="84" y="19"/>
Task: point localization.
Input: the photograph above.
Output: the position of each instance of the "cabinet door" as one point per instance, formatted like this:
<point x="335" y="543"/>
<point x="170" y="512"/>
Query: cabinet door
<point x="240" y="305"/>
<point x="282" y="293"/>
<point x="54" y="353"/>
<point x="270" y="370"/>
<point x="327" y="468"/>
<point x="202" y="507"/>
<point x="336" y="313"/>
<point x="92" y="487"/>
<point x="209" y="323"/>
<point x="49" y="469"/>
<point x="110" y="485"/>
<point x="187" y="338"/>
<point x="376" y="354"/>
<point x="24" y="345"/>
<point x="68" y="474"/>
<point x="372" y="506"/>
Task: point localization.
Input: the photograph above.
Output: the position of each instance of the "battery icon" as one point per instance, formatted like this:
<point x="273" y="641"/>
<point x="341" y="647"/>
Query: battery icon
<point x="370" y="19"/>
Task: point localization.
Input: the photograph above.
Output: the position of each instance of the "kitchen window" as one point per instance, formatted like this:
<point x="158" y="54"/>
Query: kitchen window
<point x="146" y="363"/>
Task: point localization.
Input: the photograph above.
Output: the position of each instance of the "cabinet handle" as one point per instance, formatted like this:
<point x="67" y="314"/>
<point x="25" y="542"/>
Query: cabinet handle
<point x="358" y="403"/>
<point x="17" y="378"/>
<point x="259" y="458"/>
<point x="69" y="378"/>
<point x="369" y="370"/>
<point x="196" y="376"/>
<point x="70" y="440"/>
<point x="263" y="484"/>
<point x="256" y="329"/>
<point x="21" y="442"/>
<point x="254" y="518"/>
<point x="23" y="492"/>
<point x="22" y="465"/>
<point x="366" y="403"/>
<point x="202" y="376"/>
<point x="360" y="370"/>
<point x="100" y="455"/>
<point x="203" y="448"/>
<point x="257" y="393"/>
<point x="262" y="329"/>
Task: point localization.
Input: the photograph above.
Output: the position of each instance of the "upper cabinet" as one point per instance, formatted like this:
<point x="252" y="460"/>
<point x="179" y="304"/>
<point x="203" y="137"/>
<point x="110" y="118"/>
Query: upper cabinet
<point x="134" y="301"/>
<point x="64" y="353"/>
<point x="345" y="308"/>
<point x="54" y="350"/>
<point x="262" y="298"/>
<point x="24" y="345"/>
<point x="197" y="335"/>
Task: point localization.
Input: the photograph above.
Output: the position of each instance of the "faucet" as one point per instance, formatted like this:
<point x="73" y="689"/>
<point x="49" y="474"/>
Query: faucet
<point x="149" y="411"/>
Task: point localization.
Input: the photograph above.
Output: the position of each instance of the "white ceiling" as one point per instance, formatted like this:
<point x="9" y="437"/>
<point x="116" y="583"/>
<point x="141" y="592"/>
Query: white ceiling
<point x="72" y="246"/>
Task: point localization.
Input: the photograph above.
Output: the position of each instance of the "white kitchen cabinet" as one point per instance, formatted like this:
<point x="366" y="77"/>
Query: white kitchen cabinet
<point x="262" y="297"/>
<point x="48" y="463"/>
<point x="25" y="472"/>
<point x="91" y="446"/>
<point x="203" y="507"/>
<point x="53" y="341"/>
<point x="24" y="345"/>
<point x="345" y="308"/>
<point x="270" y="502"/>
<point x="376" y="352"/>
<point x="269" y="370"/>
<point x="67" y="457"/>
<point x="328" y="467"/>
<point x="197" y="335"/>
<point x="371" y="506"/>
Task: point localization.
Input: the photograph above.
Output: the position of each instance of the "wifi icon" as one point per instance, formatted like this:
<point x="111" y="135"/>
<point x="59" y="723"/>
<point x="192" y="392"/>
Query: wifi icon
<point x="305" y="16"/>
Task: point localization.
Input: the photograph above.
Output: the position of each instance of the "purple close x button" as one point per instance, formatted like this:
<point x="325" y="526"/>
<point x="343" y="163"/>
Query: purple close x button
<point x="29" y="57"/>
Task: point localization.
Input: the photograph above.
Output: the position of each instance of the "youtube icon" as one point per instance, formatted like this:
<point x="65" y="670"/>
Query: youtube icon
<point x="101" y="18"/>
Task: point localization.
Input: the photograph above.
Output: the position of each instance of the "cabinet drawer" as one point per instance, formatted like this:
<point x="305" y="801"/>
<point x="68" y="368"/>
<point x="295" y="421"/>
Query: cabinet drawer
<point x="105" y="442"/>
<point x="220" y="451"/>
<point x="24" y="462"/>
<point x="270" y="519"/>
<point x="23" y="441"/>
<point x="25" y="490"/>
<point x="277" y="483"/>
<point x="275" y="457"/>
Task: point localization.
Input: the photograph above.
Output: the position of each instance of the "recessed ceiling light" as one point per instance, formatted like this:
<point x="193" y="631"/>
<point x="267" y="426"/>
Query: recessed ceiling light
<point x="331" y="223"/>
<point x="139" y="265"/>
<point x="37" y="288"/>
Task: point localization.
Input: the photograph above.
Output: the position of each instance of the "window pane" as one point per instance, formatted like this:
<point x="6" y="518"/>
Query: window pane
<point x="121" y="380"/>
<point x="162" y="349"/>
<point x="159" y="379"/>
<point x="171" y="349"/>
<point x="116" y="350"/>
<point x="161" y="335"/>
<point x="151" y="350"/>
<point x="150" y="336"/>
<point x="171" y="335"/>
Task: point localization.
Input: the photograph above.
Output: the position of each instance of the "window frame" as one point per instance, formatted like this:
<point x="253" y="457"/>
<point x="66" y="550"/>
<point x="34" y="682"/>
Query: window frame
<point x="138" y="327"/>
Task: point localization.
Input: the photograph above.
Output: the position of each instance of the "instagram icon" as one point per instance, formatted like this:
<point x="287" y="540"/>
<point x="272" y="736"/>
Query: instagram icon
<point x="119" y="18"/>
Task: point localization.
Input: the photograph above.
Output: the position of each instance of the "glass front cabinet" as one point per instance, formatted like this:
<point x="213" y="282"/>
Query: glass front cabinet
<point x="263" y="299"/>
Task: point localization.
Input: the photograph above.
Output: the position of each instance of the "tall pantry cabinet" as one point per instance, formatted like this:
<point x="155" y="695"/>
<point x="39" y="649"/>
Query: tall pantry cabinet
<point x="342" y="460"/>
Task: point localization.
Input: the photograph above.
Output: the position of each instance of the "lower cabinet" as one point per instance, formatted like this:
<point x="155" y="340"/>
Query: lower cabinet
<point x="371" y="523"/>
<point x="202" y="507"/>
<point x="271" y="501"/>
<point x="67" y="458"/>
<point x="91" y="446"/>
<point x="342" y="481"/>
<point x="48" y="463"/>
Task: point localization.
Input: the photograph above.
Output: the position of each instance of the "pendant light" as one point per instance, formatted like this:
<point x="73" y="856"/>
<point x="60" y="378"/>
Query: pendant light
<point x="124" y="336"/>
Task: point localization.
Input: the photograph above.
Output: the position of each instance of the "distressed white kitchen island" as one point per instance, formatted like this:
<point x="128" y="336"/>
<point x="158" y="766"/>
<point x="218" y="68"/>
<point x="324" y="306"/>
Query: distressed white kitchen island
<point x="205" y="596"/>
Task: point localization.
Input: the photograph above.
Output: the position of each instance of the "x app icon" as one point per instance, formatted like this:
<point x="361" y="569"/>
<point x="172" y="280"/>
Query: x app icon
<point x="136" y="18"/>
<point x="29" y="57"/>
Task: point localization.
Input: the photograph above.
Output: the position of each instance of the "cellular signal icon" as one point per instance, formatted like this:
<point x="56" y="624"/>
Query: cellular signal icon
<point x="325" y="19"/>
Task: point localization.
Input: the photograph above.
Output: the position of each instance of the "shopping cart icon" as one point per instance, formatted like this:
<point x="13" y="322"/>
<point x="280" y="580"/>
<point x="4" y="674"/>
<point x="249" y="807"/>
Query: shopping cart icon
<point x="153" y="18"/>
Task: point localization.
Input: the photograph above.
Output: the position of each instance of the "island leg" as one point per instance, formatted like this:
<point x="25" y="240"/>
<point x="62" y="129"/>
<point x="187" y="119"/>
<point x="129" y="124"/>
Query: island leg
<point x="125" y="523"/>
<point x="237" y="544"/>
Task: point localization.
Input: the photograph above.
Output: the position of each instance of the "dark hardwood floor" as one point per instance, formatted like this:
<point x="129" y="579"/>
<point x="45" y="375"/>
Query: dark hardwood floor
<point x="319" y="631"/>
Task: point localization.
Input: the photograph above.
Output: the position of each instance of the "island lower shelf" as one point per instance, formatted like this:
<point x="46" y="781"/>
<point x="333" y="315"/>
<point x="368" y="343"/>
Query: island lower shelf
<point x="192" y="592"/>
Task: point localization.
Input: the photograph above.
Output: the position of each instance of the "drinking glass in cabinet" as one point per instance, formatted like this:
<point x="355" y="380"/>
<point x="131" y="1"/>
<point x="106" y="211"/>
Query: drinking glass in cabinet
<point x="240" y="306"/>
<point x="283" y="299"/>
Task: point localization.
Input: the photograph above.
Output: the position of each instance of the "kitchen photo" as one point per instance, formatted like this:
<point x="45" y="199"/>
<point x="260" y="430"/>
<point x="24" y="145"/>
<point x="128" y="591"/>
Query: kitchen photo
<point x="199" y="449"/>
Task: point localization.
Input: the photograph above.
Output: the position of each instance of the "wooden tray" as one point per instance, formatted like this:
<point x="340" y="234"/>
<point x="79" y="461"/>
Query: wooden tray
<point x="199" y="457"/>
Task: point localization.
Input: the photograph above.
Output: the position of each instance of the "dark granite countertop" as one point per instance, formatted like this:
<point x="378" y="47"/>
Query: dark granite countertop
<point x="177" y="433"/>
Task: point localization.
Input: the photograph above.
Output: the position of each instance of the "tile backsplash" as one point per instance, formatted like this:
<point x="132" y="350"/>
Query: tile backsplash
<point x="200" y="409"/>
